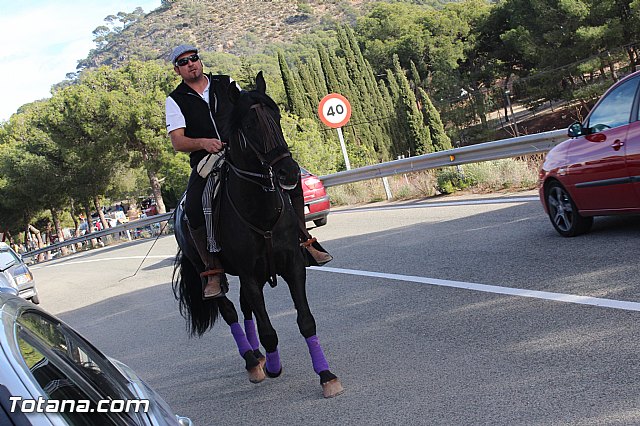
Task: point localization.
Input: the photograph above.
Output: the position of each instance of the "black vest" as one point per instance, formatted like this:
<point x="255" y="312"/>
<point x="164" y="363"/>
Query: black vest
<point x="201" y="120"/>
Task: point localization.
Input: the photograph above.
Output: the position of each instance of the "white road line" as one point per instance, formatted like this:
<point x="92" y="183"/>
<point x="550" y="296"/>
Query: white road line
<point x="558" y="297"/>
<point x="442" y="204"/>
<point x="545" y="295"/>
<point x="75" y="262"/>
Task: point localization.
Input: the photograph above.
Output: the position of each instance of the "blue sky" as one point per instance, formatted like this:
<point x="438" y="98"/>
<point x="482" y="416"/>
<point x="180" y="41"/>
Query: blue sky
<point x="42" y="41"/>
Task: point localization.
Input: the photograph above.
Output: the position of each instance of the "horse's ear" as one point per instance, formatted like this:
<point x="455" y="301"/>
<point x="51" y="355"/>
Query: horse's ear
<point x="233" y="91"/>
<point x="261" y="86"/>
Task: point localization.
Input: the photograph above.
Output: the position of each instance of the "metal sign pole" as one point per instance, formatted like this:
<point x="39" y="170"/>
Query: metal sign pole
<point x="344" y="148"/>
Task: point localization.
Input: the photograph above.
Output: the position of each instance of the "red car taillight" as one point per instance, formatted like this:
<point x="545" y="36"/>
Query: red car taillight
<point x="313" y="183"/>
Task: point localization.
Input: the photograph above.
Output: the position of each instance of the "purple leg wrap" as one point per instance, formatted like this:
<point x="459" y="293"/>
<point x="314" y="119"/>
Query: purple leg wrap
<point x="241" y="339"/>
<point x="273" y="362"/>
<point x="317" y="356"/>
<point x="252" y="337"/>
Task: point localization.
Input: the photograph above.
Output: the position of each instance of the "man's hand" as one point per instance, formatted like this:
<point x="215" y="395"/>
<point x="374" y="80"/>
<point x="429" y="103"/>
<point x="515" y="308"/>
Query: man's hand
<point x="183" y="143"/>
<point x="211" y="145"/>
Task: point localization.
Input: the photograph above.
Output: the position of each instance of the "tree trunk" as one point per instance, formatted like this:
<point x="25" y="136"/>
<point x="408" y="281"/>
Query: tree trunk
<point x="74" y="217"/>
<point x="612" y="69"/>
<point x="98" y="206"/>
<point x="631" y="53"/>
<point x="33" y="230"/>
<point x="157" y="191"/>
<point x="103" y="220"/>
<point x="56" y="222"/>
<point x="90" y="228"/>
<point x="87" y="214"/>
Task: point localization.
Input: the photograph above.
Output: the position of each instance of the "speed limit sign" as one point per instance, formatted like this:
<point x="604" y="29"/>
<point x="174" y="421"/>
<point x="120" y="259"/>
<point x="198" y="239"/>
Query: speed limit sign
<point x="334" y="110"/>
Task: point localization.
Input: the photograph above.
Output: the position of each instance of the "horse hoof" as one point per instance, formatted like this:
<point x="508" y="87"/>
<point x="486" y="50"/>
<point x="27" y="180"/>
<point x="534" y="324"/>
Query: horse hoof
<point x="256" y="374"/>
<point x="263" y="361"/>
<point x="332" y="388"/>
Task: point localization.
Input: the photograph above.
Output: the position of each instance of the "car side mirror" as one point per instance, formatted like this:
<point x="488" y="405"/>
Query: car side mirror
<point x="575" y="130"/>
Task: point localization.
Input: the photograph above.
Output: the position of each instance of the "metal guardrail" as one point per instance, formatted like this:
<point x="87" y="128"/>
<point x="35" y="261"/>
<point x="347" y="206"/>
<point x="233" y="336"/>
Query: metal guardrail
<point x="494" y="150"/>
<point x="514" y="147"/>
<point x="135" y="224"/>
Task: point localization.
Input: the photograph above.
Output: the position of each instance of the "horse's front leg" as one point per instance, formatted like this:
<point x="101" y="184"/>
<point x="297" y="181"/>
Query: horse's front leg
<point x="250" y="329"/>
<point x="296" y="280"/>
<point x="253" y="365"/>
<point x="268" y="337"/>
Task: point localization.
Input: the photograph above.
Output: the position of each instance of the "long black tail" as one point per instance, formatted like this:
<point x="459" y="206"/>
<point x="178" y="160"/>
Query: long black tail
<point x="201" y="315"/>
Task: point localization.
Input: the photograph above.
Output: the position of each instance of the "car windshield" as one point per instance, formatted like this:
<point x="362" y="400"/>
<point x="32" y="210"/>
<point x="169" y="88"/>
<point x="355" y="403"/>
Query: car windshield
<point x="7" y="259"/>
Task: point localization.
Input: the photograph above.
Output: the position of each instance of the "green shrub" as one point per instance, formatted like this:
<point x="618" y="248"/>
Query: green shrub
<point x="501" y="174"/>
<point x="452" y="179"/>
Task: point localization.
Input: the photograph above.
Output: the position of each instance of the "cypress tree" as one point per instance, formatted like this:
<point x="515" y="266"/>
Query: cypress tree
<point x="415" y="77"/>
<point x="294" y="99"/>
<point x="396" y="146"/>
<point x="394" y="89"/>
<point x="318" y="78"/>
<point x="374" y="131"/>
<point x="398" y="123"/>
<point x="367" y="130"/>
<point x="360" y="149"/>
<point x="439" y="137"/>
<point x="382" y="129"/>
<point x="417" y="134"/>
<point x="309" y="90"/>
<point x="331" y="79"/>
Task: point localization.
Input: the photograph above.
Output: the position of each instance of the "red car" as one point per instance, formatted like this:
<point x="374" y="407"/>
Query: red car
<point x="316" y="200"/>
<point x="597" y="171"/>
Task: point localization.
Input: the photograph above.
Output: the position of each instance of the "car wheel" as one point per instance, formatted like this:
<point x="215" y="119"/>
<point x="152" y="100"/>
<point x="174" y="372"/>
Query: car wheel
<point x="320" y="222"/>
<point x="35" y="299"/>
<point x="564" y="213"/>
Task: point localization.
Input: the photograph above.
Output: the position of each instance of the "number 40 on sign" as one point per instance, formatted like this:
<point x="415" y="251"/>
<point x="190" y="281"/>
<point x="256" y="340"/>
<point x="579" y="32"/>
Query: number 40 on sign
<point x="335" y="111"/>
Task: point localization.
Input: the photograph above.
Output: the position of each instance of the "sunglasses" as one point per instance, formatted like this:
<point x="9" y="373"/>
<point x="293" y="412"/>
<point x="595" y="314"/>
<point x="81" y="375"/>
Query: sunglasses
<point x="184" y="61"/>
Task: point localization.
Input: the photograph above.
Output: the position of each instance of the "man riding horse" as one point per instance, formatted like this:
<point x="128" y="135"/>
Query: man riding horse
<point x="197" y="114"/>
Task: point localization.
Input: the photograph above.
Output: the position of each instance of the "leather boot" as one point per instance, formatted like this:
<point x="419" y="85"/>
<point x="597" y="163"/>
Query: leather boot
<point x="214" y="283"/>
<point x="318" y="254"/>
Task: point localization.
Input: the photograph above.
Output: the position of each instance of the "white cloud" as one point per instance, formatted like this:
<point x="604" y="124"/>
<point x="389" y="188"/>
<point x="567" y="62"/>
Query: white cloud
<point x="44" y="40"/>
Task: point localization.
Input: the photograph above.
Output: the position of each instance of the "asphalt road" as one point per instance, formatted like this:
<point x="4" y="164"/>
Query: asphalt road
<point x="431" y="339"/>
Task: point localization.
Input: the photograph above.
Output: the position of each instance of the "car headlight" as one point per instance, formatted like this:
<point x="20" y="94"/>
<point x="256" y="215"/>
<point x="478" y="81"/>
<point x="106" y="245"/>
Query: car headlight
<point x="23" y="279"/>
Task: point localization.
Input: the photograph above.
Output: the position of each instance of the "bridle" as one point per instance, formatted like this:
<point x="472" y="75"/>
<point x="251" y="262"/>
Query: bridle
<point x="272" y="140"/>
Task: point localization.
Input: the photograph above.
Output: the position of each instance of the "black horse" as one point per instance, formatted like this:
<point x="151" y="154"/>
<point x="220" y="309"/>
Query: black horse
<point x="258" y="231"/>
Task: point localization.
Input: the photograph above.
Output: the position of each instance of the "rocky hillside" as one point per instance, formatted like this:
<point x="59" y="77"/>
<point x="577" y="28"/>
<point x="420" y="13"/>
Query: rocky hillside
<point x="242" y="27"/>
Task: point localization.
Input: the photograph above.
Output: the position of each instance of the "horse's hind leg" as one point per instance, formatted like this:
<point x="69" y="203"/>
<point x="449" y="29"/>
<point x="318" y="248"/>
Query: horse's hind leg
<point x="250" y="329"/>
<point x="330" y="383"/>
<point x="252" y="364"/>
<point x="268" y="337"/>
